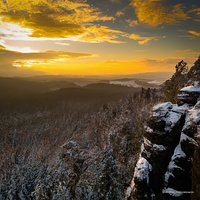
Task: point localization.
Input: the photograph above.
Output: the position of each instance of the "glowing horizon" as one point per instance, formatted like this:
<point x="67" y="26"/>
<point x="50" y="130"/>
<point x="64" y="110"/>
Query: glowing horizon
<point x="111" y="37"/>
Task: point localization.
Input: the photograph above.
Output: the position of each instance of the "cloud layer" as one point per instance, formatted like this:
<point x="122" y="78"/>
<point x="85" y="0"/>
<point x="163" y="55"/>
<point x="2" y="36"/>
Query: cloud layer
<point x="141" y="39"/>
<point x="30" y="28"/>
<point x="194" y="33"/>
<point x="13" y="59"/>
<point x="58" y="19"/>
<point x="156" y="12"/>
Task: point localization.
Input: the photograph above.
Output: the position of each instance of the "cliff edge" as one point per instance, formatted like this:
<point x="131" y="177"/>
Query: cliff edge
<point x="170" y="148"/>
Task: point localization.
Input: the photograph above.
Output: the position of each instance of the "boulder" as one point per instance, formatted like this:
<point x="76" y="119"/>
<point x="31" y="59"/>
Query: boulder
<point x="189" y="94"/>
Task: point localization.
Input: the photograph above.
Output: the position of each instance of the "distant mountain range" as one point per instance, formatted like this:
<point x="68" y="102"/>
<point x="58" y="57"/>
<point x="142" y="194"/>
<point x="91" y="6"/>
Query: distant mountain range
<point x="21" y="92"/>
<point x="47" y="90"/>
<point x="156" y="77"/>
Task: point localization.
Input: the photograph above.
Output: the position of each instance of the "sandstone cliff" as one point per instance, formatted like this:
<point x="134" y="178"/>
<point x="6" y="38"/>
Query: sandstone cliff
<point x="168" y="164"/>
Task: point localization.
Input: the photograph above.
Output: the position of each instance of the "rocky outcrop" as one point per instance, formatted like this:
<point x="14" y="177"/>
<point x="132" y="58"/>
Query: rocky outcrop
<point x="196" y="168"/>
<point x="177" y="181"/>
<point x="189" y="94"/>
<point x="164" y="169"/>
<point x="160" y="138"/>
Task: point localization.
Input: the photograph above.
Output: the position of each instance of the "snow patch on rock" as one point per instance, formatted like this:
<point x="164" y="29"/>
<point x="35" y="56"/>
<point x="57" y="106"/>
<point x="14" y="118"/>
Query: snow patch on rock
<point x="175" y="193"/>
<point x="142" y="170"/>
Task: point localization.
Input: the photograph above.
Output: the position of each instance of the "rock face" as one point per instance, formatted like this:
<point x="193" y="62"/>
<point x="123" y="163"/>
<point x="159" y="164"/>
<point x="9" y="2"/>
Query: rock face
<point x="189" y="94"/>
<point x="196" y="168"/>
<point x="164" y="169"/>
<point x="178" y="175"/>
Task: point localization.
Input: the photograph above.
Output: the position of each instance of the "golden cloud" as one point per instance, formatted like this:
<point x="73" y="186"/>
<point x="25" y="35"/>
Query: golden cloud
<point x="194" y="33"/>
<point x="56" y="19"/>
<point x="119" y="13"/>
<point x="196" y="11"/>
<point x="10" y="59"/>
<point x="132" y="23"/>
<point x="99" y="34"/>
<point x="156" y="12"/>
<point x="142" y="40"/>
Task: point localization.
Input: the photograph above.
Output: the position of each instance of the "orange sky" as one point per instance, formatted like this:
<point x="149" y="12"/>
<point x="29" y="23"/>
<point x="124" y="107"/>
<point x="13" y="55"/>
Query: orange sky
<point x="94" y="37"/>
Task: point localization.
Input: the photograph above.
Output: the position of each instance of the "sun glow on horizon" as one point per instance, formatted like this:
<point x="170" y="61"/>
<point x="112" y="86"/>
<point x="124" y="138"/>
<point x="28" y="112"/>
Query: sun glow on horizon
<point x="77" y="37"/>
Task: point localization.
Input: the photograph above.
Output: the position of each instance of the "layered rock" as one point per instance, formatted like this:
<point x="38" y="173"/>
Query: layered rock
<point x="164" y="169"/>
<point x="196" y="168"/>
<point x="177" y="181"/>
<point x="160" y="138"/>
<point x="189" y="94"/>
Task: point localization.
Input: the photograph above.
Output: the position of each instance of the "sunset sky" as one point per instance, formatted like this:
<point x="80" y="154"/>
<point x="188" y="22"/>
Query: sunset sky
<point x="97" y="37"/>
